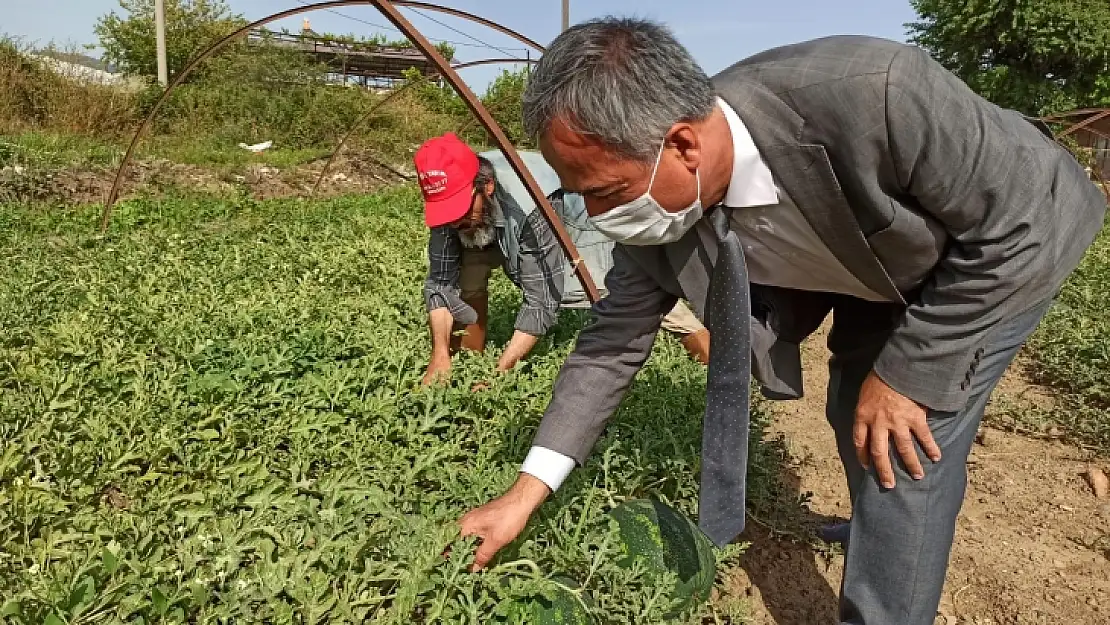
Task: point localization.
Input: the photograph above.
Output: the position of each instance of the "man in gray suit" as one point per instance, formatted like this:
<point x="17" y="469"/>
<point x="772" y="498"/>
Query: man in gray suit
<point x="860" y="179"/>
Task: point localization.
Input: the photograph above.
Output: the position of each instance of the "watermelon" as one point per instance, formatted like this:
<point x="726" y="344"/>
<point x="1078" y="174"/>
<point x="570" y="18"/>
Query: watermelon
<point x="665" y="540"/>
<point x="555" y="607"/>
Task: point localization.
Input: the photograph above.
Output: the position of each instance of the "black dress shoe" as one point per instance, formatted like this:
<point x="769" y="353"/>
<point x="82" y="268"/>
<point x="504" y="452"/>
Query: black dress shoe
<point x="835" y="533"/>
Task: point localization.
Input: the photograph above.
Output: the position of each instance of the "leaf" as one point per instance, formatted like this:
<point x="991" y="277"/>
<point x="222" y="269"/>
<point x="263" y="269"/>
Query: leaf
<point x="82" y="594"/>
<point x="109" y="561"/>
<point x="159" y="600"/>
<point x="53" y="619"/>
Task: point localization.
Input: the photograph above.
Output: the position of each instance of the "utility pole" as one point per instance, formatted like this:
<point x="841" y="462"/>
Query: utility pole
<point x="160" y="37"/>
<point x="566" y="14"/>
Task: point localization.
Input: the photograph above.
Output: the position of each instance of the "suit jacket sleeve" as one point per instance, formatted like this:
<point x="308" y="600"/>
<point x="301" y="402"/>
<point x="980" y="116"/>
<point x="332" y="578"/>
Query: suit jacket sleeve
<point x="979" y="171"/>
<point x="610" y="350"/>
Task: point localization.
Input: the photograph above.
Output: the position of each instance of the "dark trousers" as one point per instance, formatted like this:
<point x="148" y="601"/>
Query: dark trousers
<point x="900" y="539"/>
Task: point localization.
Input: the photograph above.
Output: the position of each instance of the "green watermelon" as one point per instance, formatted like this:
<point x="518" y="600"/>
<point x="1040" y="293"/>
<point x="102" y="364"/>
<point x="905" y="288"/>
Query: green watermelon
<point x="558" y="607"/>
<point x="665" y="540"/>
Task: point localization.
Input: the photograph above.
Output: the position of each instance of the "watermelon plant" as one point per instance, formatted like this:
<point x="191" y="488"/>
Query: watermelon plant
<point x="213" y="414"/>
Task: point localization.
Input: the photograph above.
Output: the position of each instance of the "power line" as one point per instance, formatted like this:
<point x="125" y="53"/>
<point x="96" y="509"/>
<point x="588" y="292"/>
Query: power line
<point x="480" y="44"/>
<point x="467" y="35"/>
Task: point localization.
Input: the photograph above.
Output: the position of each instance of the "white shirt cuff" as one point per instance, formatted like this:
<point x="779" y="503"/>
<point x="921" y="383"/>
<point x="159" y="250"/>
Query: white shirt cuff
<point x="549" y="467"/>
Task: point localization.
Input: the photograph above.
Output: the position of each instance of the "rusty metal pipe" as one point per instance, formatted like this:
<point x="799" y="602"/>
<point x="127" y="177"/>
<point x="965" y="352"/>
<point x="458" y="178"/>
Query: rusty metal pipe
<point x="1083" y="124"/>
<point x="113" y="193"/>
<point x="389" y="10"/>
<point x="393" y="94"/>
<point x="476" y="107"/>
<point x="473" y="18"/>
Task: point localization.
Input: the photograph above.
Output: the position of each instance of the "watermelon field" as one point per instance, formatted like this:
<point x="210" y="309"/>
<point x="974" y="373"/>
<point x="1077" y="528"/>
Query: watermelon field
<point x="212" y="413"/>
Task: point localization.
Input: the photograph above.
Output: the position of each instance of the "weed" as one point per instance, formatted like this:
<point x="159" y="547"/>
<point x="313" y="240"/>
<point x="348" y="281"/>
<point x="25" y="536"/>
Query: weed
<point x="1071" y="352"/>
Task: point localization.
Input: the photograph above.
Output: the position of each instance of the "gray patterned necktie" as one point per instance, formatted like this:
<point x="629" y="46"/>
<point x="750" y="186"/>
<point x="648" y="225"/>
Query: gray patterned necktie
<point x="724" y="451"/>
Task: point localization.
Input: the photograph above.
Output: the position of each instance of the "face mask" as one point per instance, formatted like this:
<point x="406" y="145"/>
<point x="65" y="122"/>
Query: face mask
<point x="644" y="222"/>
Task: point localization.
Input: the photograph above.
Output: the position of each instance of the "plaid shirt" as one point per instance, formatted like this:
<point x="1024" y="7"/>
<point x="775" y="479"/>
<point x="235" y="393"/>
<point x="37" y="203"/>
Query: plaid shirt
<point x="537" y="269"/>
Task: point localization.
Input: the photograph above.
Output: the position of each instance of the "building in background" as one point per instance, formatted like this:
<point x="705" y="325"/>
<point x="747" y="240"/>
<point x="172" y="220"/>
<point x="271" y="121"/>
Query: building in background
<point x="1091" y="130"/>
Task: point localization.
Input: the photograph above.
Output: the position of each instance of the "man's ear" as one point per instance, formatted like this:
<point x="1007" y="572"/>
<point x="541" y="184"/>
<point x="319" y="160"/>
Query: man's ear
<point x="685" y="139"/>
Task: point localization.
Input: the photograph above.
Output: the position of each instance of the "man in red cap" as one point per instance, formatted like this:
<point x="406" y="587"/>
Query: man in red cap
<point x="481" y="217"/>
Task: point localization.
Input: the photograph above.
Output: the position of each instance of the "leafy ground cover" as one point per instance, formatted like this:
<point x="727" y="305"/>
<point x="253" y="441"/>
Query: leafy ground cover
<point x="1071" y="352"/>
<point x="213" y="414"/>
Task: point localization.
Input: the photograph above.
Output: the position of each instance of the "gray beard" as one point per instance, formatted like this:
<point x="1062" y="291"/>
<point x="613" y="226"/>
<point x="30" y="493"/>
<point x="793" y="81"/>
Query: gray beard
<point x="477" y="238"/>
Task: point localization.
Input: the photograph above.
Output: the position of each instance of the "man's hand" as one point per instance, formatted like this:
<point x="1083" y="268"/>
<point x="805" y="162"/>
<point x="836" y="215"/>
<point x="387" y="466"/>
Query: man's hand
<point x="440" y="323"/>
<point x="883" y="413"/>
<point x="518" y="348"/>
<point x="439" y="368"/>
<point x="500" y="521"/>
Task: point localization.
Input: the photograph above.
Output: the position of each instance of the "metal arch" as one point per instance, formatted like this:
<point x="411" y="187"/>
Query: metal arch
<point x="474" y="18"/>
<point x="396" y="92"/>
<point x="222" y="43"/>
<point x="390" y="12"/>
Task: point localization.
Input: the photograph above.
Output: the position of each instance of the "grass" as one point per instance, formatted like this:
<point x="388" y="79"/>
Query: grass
<point x="56" y="150"/>
<point x="265" y="94"/>
<point x="52" y="150"/>
<point x="213" y="413"/>
<point x="1071" y="352"/>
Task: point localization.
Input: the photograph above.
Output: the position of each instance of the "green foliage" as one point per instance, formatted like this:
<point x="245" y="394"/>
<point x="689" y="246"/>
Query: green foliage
<point x="504" y="99"/>
<point x="251" y="94"/>
<point x="266" y="94"/>
<point x="191" y="26"/>
<point x="435" y="95"/>
<point x="1036" y="56"/>
<point x="1071" y="351"/>
<point x="33" y="97"/>
<point x="213" y="414"/>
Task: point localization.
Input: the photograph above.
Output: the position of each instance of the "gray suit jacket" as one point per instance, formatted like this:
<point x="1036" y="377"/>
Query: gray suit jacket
<point x="959" y="210"/>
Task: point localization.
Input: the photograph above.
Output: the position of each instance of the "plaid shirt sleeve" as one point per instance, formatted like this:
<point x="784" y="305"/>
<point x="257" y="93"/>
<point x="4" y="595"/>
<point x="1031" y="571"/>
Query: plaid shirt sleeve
<point x="541" y="276"/>
<point x="441" y="288"/>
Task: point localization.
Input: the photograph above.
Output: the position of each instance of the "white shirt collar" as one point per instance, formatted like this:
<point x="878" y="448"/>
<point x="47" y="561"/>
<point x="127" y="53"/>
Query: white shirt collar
<point x="752" y="183"/>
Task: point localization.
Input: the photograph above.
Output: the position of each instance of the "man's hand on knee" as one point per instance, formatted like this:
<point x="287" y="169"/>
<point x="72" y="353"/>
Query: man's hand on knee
<point x="882" y="414"/>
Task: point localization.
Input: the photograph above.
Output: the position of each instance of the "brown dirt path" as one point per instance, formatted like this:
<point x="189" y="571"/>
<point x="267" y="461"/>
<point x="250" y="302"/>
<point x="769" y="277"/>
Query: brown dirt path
<point x="1026" y="549"/>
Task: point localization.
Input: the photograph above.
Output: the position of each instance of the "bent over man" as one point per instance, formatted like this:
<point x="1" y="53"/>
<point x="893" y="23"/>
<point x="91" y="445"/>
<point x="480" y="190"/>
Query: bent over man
<point x="846" y="175"/>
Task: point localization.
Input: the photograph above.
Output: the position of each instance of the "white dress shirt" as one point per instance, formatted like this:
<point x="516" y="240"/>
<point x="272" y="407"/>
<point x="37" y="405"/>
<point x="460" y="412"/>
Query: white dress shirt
<point x="780" y="249"/>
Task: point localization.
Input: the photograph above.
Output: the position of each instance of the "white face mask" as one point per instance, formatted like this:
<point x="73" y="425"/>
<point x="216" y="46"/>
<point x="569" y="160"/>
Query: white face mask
<point x="644" y="222"/>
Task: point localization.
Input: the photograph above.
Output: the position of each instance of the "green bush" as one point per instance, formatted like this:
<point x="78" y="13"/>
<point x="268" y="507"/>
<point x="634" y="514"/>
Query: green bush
<point x="32" y="97"/>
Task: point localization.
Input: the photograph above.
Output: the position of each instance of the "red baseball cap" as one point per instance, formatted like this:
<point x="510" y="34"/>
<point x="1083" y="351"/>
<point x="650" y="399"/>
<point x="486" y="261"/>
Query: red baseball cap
<point x="446" y="168"/>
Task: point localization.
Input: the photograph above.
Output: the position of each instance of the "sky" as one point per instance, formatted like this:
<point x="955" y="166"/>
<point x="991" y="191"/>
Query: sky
<point x="717" y="32"/>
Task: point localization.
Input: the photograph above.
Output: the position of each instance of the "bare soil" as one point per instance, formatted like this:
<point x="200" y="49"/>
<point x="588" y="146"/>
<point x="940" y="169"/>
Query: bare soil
<point x="1031" y="541"/>
<point x="91" y="185"/>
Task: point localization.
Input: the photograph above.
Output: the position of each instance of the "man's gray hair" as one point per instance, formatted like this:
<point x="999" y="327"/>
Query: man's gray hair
<point x="624" y="81"/>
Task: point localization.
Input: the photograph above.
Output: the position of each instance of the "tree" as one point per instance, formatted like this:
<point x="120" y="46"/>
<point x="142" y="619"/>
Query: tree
<point x="191" y="26"/>
<point x="1036" y="56"/>
<point x="503" y="99"/>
